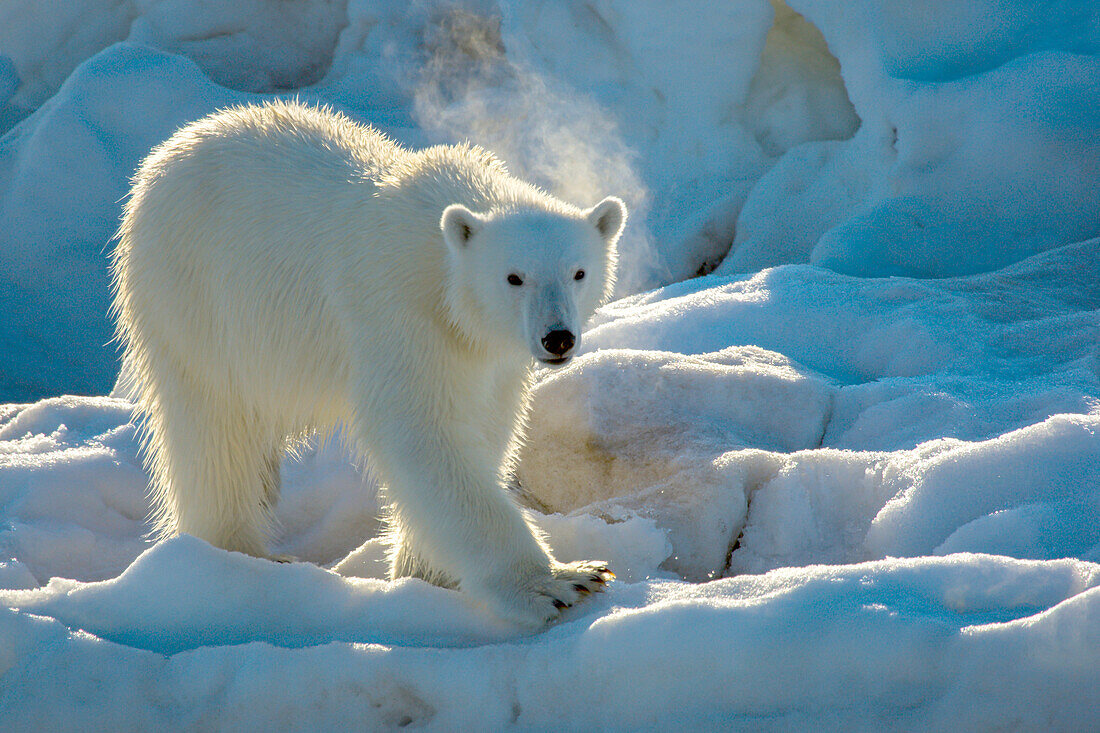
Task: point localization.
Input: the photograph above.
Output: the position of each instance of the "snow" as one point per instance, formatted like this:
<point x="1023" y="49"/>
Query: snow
<point x="978" y="144"/>
<point x="850" y="480"/>
<point x="956" y="403"/>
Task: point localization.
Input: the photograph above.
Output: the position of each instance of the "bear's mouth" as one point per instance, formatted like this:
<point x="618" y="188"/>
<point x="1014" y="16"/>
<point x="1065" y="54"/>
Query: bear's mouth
<point x="556" y="361"/>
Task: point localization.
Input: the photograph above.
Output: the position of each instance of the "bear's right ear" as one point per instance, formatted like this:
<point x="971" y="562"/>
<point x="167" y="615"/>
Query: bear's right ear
<point x="459" y="225"/>
<point x="608" y="217"/>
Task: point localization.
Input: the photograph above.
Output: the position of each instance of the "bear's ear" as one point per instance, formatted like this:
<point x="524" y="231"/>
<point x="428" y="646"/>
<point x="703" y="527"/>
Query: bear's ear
<point x="459" y="224"/>
<point x="608" y="217"/>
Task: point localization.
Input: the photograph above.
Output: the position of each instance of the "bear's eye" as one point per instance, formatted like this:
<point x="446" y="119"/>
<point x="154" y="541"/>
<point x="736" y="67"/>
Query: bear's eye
<point x="578" y="275"/>
<point x="515" y="280"/>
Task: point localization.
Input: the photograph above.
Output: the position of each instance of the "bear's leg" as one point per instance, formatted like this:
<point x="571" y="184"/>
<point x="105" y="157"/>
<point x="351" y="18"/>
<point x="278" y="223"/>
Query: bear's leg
<point x="214" y="476"/>
<point x="271" y="478"/>
<point x="454" y="518"/>
<point x="405" y="563"/>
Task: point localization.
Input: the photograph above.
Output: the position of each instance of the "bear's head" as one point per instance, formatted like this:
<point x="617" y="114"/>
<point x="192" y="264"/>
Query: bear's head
<point x="531" y="276"/>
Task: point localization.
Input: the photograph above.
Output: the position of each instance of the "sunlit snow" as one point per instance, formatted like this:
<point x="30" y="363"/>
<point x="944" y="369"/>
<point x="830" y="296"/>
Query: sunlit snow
<point x="848" y="476"/>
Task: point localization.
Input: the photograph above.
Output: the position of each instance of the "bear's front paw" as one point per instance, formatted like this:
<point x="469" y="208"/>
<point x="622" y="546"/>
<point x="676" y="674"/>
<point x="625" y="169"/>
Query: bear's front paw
<point x="538" y="598"/>
<point x="575" y="581"/>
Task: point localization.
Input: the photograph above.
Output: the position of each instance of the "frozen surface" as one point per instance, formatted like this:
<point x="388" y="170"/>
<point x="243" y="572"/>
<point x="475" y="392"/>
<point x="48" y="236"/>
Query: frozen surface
<point x="861" y="418"/>
<point x="849" y="481"/>
<point x="979" y="142"/>
<point x="184" y="635"/>
<point x="897" y="542"/>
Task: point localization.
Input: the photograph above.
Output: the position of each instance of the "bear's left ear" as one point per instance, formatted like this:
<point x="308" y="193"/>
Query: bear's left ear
<point x="459" y="225"/>
<point x="608" y="217"/>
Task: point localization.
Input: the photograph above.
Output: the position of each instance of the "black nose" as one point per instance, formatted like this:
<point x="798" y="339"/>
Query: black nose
<point x="558" y="342"/>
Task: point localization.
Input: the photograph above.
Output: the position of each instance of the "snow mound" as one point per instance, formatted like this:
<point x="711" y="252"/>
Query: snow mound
<point x="978" y="144"/>
<point x="837" y="497"/>
<point x="65" y="171"/>
<point x="680" y="452"/>
<point x="800" y="416"/>
<point x="941" y="643"/>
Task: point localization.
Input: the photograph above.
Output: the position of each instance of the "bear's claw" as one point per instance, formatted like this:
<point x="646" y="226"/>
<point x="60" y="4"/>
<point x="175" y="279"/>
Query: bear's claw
<point x="545" y="596"/>
<point x="584" y="578"/>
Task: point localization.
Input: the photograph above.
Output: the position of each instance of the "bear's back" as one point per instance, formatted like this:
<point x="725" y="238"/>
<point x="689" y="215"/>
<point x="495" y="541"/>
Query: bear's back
<point x="279" y="143"/>
<point x="234" y="230"/>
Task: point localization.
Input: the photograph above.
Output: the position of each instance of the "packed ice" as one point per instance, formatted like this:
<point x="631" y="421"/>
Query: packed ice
<point x="838" y="434"/>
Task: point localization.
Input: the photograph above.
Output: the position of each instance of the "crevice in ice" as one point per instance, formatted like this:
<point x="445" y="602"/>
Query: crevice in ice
<point x="797" y="94"/>
<point x="764" y="472"/>
<point x="734" y="547"/>
<point x="517" y="710"/>
<point x="826" y="421"/>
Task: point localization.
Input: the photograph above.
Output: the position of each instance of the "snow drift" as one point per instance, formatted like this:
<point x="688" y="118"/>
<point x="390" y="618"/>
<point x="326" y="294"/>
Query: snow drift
<point x="850" y="480"/>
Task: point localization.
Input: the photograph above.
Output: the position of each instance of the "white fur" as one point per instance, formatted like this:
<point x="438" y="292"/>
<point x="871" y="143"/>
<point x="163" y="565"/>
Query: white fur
<point x="282" y="269"/>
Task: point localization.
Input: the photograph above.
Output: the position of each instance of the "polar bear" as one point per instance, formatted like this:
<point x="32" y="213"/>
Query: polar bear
<point x="282" y="269"/>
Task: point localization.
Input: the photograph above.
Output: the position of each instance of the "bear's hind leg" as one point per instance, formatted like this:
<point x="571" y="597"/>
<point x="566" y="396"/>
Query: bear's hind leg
<point x="271" y="478"/>
<point x="405" y="563"/>
<point x="212" y="470"/>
